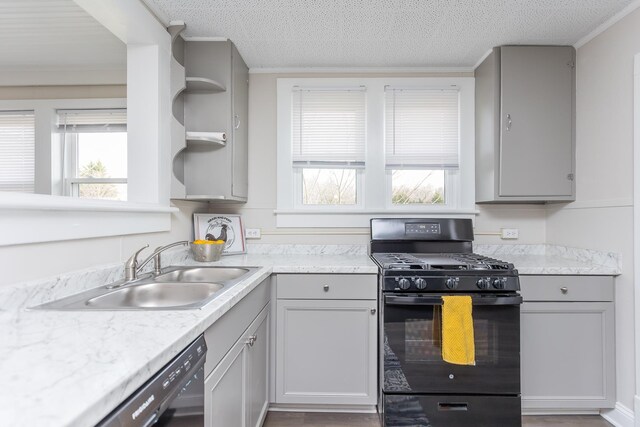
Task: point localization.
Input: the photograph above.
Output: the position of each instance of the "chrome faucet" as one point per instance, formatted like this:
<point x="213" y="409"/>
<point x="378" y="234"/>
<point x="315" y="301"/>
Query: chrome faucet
<point x="132" y="268"/>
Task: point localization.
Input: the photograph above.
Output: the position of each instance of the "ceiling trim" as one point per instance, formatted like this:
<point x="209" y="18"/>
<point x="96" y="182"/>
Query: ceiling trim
<point x="205" y="39"/>
<point x="607" y="24"/>
<point x="367" y="70"/>
<point x="482" y="58"/>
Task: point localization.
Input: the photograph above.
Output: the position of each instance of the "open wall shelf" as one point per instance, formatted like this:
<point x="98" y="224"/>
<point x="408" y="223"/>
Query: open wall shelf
<point x="203" y="85"/>
<point x="212" y="138"/>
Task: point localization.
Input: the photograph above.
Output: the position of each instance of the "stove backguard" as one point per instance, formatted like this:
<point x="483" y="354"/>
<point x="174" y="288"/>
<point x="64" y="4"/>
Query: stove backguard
<point x="420" y="235"/>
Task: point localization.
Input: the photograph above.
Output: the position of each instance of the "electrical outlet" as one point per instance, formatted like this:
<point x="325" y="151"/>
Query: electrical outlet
<point x="252" y="233"/>
<point x="509" y="233"/>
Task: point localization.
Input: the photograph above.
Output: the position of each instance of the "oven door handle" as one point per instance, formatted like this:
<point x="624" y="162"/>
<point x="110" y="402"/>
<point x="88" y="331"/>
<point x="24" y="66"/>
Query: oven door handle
<point x="437" y="300"/>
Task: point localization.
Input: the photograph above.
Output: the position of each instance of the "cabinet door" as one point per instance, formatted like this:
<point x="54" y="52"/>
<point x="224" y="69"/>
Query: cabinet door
<point x="326" y="352"/>
<point x="240" y="141"/>
<point x="258" y="369"/>
<point x="537" y="116"/>
<point x="224" y="400"/>
<point x="567" y="355"/>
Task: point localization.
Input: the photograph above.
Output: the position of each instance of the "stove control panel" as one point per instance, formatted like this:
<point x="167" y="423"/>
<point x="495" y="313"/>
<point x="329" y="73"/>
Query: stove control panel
<point x="408" y="283"/>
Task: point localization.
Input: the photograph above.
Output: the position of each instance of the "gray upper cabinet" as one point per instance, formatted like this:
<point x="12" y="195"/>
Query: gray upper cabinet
<point x="215" y="100"/>
<point x="525" y="125"/>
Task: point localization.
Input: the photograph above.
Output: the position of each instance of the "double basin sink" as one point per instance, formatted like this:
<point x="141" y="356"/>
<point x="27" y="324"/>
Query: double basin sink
<point x="175" y="288"/>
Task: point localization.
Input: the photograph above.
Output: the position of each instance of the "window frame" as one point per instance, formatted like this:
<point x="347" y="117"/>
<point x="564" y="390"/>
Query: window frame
<point x="460" y="202"/>
<point x="148" y="107"/>
<point x="71" y="182"/>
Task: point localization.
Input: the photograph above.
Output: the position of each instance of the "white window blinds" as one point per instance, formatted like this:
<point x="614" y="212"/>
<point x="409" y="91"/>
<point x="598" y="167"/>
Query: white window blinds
<point x="98" y="120"/>
<point x="328" y="127"/>
<point x="17" y="151"/>
<point x="422" y="128"/>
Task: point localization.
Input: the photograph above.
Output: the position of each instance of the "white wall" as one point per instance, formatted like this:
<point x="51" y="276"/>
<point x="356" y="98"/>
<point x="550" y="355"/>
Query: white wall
<point x="602" y="216"/>
<point x="34" y="261"/>
<point x="258" y="212"/>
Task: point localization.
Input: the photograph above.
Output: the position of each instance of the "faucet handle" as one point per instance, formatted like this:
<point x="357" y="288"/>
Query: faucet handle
<point x="132" y="264"/>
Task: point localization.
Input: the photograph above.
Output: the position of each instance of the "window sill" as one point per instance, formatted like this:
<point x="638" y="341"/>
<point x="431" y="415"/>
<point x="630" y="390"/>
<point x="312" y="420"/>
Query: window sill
<point x="33" y="218"/>
<point x="312" y="218"/>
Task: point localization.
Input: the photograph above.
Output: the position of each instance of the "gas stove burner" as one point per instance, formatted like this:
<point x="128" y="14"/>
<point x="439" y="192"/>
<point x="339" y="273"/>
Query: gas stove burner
<point x="440" y="262"/>
<point x="406" y="266"/>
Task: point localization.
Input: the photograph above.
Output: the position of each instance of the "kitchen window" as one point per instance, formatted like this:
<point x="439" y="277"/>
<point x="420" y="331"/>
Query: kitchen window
<point x="328" y="146"/>
<point x="94" y="152"/>
<point x="17" y="151"/>
<point x="354" y="148"/>
<point x="421" y="144"/>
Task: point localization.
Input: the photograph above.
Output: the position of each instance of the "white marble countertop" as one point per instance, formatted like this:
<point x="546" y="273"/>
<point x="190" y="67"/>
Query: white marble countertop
<point x="554" y="260"/>
<point x="70" y="368"/>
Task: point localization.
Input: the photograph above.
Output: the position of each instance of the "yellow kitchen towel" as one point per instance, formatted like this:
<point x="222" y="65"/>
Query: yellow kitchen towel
<point x="458" y="345"/>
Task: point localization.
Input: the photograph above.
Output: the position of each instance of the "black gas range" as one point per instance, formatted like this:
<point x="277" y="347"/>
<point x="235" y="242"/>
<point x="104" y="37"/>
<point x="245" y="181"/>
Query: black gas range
<point x="420" y="261"/>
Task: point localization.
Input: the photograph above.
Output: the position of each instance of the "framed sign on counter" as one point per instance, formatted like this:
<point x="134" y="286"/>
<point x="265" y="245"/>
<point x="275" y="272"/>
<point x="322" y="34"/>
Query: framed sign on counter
<point x="221" y="227"/>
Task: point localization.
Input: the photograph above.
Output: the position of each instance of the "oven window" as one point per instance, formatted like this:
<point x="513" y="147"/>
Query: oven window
<point x="423" y="340"/>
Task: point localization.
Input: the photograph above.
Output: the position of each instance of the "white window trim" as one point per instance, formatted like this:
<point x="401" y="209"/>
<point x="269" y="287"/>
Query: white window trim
<point x="373" y="203"/>
<point x="30" y="218"/>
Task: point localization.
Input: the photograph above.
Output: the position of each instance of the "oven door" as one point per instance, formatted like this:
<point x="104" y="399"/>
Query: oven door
<point x="412" y="353"/>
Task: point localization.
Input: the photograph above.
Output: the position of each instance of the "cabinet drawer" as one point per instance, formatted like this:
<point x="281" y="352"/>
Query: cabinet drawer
<point x="326" y="286"/>
<point x="567" y="288"/>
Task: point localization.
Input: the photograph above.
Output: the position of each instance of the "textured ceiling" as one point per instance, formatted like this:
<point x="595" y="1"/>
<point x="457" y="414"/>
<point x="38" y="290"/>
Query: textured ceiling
<point x="54" y="34"/>
<point x="383" y="33"/>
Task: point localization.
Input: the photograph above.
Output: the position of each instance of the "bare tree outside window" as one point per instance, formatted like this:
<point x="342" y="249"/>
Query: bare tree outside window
<point x="329" y="186"/>
<point x="107" y="191"/>
<point x="424" y="187"/>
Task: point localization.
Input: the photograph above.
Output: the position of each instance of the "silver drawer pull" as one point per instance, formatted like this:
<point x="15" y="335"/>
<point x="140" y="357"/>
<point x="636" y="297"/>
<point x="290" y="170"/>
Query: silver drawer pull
<point x="373" y="311"/>
<point x="326" y="288"/>
<point x="564" y="290"/>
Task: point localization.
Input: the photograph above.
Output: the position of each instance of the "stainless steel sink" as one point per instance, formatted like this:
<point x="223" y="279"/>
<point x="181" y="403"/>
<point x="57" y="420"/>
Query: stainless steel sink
<point x="174" y="289"/>
<point x="201" y="274"/>
<point x="154" y="295"/>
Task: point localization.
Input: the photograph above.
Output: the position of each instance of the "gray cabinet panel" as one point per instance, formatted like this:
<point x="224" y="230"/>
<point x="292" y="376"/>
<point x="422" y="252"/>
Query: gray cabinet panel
<point x="225" y="390"/>
<point x="326" y="352"/>
<point x="240" y="119"/>
<point x="236" y="391"/>
<point x="567" y="356"/>
<point x="258" y="367"/>
<point x="567" y="343"/>
<point x="525" y="125"/>
<point x="536" y="120"/>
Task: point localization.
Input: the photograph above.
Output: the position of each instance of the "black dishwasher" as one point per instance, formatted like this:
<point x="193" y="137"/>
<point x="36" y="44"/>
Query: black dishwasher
<point x="174" y="396"/>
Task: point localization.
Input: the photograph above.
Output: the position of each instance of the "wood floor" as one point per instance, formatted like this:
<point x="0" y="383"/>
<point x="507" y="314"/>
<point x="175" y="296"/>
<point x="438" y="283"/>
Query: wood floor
<point x="319" y="419"/>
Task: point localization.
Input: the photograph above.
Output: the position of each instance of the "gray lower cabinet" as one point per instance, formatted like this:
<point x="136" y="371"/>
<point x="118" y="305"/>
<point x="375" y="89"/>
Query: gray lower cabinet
<point x="326" y="335"/>
<point x="567" y="343"/>
<point x="525" y="124"/>
<point x="236" y="383"/>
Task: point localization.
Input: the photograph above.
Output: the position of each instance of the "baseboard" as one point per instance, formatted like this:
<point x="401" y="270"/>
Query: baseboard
<point x="362" y="409"/>
<point x="621" y="416"/>
<point x="535" y="412"/>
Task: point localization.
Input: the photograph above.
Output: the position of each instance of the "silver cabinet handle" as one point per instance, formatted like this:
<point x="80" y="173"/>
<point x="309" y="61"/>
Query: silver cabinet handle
<point x="564" y="290"/>
<point x="509" y="122"/>
<point x="326" y="288"/>
<point x="236" y="121"/>
<point x="373" y="311"/>
<point x="252" y="340"/>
